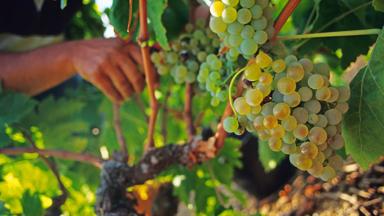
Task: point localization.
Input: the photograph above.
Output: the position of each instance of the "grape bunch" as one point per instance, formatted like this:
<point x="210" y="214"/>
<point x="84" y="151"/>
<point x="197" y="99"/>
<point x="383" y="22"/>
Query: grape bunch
<point x="242" y="25"/>
<point x="187" y="52"/>
<point x="291" y="105"/>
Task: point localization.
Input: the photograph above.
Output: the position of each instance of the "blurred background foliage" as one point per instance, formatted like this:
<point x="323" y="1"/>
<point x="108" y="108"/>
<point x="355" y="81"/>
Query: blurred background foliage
<point x="79" y="118"/>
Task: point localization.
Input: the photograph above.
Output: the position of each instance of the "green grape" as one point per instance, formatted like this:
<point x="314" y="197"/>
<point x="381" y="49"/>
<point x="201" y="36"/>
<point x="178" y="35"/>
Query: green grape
<point x="342" y="107"/>
<point x="231" y="3"/>
<point x="260" y="37"/>
<point x="268" y="12"/>
<point x="235" y="28"/>
<point x="277" y="97"/>
<point x="215" y="65"/>
<point x="234" y="40"/>
<point x="327" y="173"/>
<point x="256" y="11"/>
<point x="305" y="94"/>
<point x="263" y="59"/>
<point x="244" y="16"/>
<point x="189" y="26"/>
<point x="316" y="81"/>
<point x="334" y="95"/>
<point x="293" y="99"/>
<point x="281" y="111"/>
<point x="309" y="149"/>
<point x="259" y="24"/>
<point x="247" y="32"/>
<point x="201" y="56"/>
<point x="336" y="162"/>
<point x="222" y="95"/>
<point x="322" y="121"/>
<point x="323" y="94"/>
<point x="192" y="66"/>
<point x="301" y="132"/>
<point x="313" y="106"/>
<point x="247" y="3"/>
<point x="162" y="69"/>
<point x="156" y="58"/>
<point x="252" y="72"/>
<point x="230" y="124"/>
<point x="263" y="135"/>
<point x="258" y="123"/>
<point x="344" y="94"/>
<point x="289" y="149"/>
<point x="275" y="144"/>
<point x="270" y="122"/>
<point x="190" y="78"/>
<point x="265" y="78"/>
<point x="233" y="53"/>
<point x="216" y="8"/>
<point x="229" y="15"/>
<point x="290" y="59"/>
<point x="256" y="109"/>
<point x="316" y="170"/>
<point x="181" y="71"/>
<point x="301" y="161"/>
<point x="289" y="123"/>
<point x="212" y="57"/>
<point x="241" y="106"/>
<point x="217" y="25"/>
<point x="286" y="85"/>
<point x="307" y="65"/>
<point x="313" y="118"/>
<point x="266" y="89"/>
<point x="317" y="135"/>
<point x="171" y="58"/>
<point x="300" y="114"/>
<point x="295" y="71"/>
<point x="322" y="68"/>
<point x="248" y="47"/>
<point x="278" y="65"/>
<point x="278" y="131"/>
<point x="200" y="23"/>
<point x="254" y="97"/>
<point x="334" y="116"/>
<point x="262" y="3"/>
<point x="331" y="130"/>
<point x="320" y="157"/>
<point x="267" y="109"/>
<point x="198" y="34"/>
<point x="270" y="31"/>
<point x="289" y="138"/>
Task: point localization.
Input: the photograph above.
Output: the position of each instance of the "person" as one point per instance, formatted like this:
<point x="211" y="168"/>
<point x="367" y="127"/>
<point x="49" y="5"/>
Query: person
<point x="34" y="57"/>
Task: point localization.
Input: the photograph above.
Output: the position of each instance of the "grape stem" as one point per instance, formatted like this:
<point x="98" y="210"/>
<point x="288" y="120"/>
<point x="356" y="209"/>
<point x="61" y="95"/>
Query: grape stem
<point x="284" y="15"/>
<point x="230" y="89"/>
<point x="332" y="34"/>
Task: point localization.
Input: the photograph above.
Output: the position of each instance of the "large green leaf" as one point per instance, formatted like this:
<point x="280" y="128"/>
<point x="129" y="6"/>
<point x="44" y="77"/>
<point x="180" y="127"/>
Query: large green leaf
<point x="364" y="123"/>
<point x="378" y="5"/>
<point x="31" y="203"/>
<point x="155" y="11"/>
<point x="269" y="159"/>
<point x="119" y="15"/>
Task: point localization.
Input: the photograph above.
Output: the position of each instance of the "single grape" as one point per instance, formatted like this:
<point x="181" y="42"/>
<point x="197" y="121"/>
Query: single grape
<point x="342" y="107"/>
<point x="171" y="58"/>
<point x="275" y="143"/>
<point x="267" y="109"/>
<point x="255" y="109"/>
<point x="270" y="122"/>
<point x="247" y="32"/>
<point x="334" y="95"/>
<point x="277" y="97"/>
<point x="181" y="71"/>
<point x="247" y="3"/>
<point x="230" y="124"/>
<point x="316" y="81"/>
<point x="322" y="68"/>
<point x="300" y="114"/>
<point x="162" y="69"/>
<point x="232" y="3"/>
<point x="234" y="40"/>
<point x="278" y="131"/>
<point x="322" y="121"/>
<point x="241" y="106"/>
<point x="256" y="11"/>
<point x="258" y="122"/>
<point x="235" y="28"/>
<point x="289" y="123"/>
<point x="313" y="106"/>
<point x="290" y="59"/>
<point x="265" y="78"/>
<point x="301" y="132"/>
<point x="217" y="25"/>
<point x="263" y="135"/>
<point x="320" y="157"/>
<point x="259" y="24"/>
<point x="244" y="16"/>
<point x="316" y="170"/>
<point x="268" y="12"/>
<point x="295" y="71"/>
<point x="289" y="138"/>
<point x="336" y="162"/>
<point x="313" y="118"/>
<point x="215" y="102"/>
<point x="216" y="8"/>
<point x="336" y="142"/>
<point x="201" y="56"/>
<point x="252" y="72"/>
<point x="156" y="58"/>
<point x="301" y="161"/>
<point x="331" y="130"/>
<point x="317" y="135"/>
<point x="229" y="15"/>
<point x="262" y="3"/>
<point x="248" y="47"/>
<point x="289" y="149"/>
<point x="307" y="65"/>
<point x="266" y="89"/>
<point x="260" y="37"/>
<point x="286" y="85"/>
<point x="323" y="94"/>
<point x="281" y="111"/>
<point x="309" y="149"/>
<point x="328" y="173"/>
<point x="344" y="94"/>
<point x="254" y="97"/>
<point x="278" y="65"/>
<point x="293" y="99"/>
<point x="305" y="93"/>
<point x="263" y="60"/>
<point x="334" y="116"/>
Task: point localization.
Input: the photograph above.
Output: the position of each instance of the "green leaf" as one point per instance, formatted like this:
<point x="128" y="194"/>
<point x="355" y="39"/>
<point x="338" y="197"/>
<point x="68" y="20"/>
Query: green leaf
<point x="119" y="15"/>
<point x="364" y="123"/>
<point x="31" y="203"/>
<point x="378" y="5"/>
<point x="14" y="106"/>
<point x="155" y="11"/>
<point x="269" y="159"/>
<point x="63" y="4"/>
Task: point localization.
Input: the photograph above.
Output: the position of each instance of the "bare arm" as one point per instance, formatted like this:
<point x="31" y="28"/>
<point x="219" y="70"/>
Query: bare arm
<point x="108" y="64"/>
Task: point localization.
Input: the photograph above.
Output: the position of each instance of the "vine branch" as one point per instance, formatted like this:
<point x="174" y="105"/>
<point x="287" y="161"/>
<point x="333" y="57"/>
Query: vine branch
<point x="149" y="71"/>
<point x="284" y="15"/>
<point x="119" y="132"/>
<point x="188" y="111"/>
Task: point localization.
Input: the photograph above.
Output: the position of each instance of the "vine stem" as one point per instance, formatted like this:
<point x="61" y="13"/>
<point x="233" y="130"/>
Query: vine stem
<point x="119" y="132"/>
<point x="188" y="117"/>
<point x="332" y="34"/>
<point x="284" y="15"/>
<point x="149" y="71"/>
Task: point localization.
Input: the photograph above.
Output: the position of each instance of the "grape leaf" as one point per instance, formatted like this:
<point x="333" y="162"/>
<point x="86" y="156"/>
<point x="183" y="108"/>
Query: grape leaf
<point x="119" y="15"/>
<point x="155" y="11"/>
<point x="31" y="203"/>
<point x="364" y="122"/>
<point x="269" y="159"/>
<point x="378" y="5"/>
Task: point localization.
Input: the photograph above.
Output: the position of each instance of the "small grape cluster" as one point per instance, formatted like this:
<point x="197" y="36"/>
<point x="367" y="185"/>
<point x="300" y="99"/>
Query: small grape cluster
<point x="291" y="105"/>
<point x="243" y="25"/>
<point x="187" y="52"/>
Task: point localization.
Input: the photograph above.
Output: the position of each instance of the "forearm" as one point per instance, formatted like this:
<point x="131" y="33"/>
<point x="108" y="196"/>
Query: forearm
<point x="36" y="71"/>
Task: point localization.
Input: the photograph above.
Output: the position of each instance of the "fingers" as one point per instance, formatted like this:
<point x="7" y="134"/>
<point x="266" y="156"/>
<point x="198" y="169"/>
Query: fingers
<point x="133" y="51"/>
<point x="102" y="82"/>
<point x="129" y="68"/>
<point x="118" y="79"/>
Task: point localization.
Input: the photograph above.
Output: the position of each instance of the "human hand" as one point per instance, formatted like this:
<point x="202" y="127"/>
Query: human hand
<point x="110" y="65"/>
